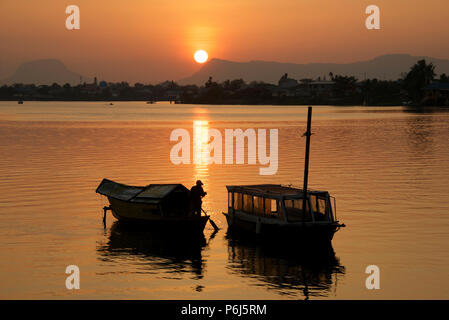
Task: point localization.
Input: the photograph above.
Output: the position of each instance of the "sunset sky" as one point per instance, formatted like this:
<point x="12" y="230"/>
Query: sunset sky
<point x="154" y="40"/>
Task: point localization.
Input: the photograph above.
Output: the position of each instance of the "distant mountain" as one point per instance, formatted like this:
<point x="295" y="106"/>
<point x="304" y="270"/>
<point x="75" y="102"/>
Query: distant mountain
<point x="46" y="71"/>
<point x="389" y="67"/>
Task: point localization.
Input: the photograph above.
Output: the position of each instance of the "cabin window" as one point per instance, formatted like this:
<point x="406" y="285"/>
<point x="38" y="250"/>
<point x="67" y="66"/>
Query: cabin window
<point x="230" y="199"/>
<point x="313" y="201"/>
<point x="258" y="205"/>
<point x="272" y="208"/>
<point x="247" y="203"/>
<point x="267" y="206"/>
<point x="320" y="208"/>
<point x="321" y="205"/>
<point x="237" y="201"/>
<point x="293" y="208"/>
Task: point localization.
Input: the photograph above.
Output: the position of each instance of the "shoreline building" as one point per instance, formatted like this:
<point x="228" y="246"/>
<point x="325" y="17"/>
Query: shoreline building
<point x="288" y="87"/>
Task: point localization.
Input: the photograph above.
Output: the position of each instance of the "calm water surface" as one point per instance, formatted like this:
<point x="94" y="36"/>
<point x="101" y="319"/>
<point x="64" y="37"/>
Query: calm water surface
<point x="387" y="167"/>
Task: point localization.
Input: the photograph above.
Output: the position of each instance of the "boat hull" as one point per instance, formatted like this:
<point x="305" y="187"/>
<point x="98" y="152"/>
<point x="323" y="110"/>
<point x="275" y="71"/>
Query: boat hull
<point x="310" y="233"/>
<point x="142" y="214"/>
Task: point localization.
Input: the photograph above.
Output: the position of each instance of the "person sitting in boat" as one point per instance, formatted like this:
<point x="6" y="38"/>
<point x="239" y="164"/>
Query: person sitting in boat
<point x="196" y="194"/>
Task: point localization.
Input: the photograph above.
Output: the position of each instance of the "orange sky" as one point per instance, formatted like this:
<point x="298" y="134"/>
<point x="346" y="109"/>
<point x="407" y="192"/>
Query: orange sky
<point x="153" y="40"/>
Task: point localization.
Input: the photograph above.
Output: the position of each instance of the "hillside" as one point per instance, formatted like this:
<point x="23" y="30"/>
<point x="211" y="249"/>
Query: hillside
<point x="389" y="67"/>
<point x="46" y="71"/>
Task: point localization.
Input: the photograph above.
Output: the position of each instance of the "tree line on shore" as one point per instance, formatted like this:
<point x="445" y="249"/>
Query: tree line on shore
<point x="339" y="90"/>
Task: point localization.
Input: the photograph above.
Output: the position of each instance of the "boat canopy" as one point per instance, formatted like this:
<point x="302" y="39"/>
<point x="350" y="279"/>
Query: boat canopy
<point x="274" y="191"/>
<point x="117" y="190"/>
<point x="153" y="193"/>
<point x="271" y="200"/>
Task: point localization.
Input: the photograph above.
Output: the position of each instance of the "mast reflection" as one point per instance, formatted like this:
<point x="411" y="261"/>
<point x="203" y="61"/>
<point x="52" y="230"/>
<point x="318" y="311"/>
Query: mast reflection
<point x="286" y="268"/>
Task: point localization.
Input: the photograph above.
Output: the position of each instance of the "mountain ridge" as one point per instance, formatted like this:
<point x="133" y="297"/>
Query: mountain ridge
<point x="388" y="66"/>
<point x="44" y="71"/>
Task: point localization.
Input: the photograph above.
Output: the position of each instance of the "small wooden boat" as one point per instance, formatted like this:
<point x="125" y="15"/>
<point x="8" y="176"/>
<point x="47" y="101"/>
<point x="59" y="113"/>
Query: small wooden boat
<point x="20" y="102"/>
<point x="282" y="211"/>
<point x="158" y="206"/>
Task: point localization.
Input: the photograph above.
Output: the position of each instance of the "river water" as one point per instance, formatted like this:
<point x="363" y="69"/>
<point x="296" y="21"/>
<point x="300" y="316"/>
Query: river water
<point x="387" y="167"/>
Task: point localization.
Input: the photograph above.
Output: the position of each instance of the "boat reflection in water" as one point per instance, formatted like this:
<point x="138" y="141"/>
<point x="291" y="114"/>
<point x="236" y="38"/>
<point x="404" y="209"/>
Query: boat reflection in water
<point x="286" y="268"/>
<point x="160" y="253"/>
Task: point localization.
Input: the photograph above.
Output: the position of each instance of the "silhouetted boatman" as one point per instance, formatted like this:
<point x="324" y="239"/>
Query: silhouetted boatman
<point x="196" y="194"/>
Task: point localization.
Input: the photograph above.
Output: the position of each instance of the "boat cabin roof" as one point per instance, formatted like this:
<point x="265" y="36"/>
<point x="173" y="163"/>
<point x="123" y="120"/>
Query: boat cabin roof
<point x="271" y="190"/>
<point x="153" y="193"/>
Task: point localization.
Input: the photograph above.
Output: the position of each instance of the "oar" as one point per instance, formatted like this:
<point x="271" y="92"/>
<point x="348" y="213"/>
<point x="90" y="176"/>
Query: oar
<point x="211" y="221"/>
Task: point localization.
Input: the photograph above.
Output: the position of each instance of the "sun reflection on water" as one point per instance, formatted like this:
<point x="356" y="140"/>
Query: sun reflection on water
<point x="201" y="150"/>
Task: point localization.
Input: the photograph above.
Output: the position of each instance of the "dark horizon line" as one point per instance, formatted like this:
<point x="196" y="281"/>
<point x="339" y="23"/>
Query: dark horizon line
<point x="181" y="79"/>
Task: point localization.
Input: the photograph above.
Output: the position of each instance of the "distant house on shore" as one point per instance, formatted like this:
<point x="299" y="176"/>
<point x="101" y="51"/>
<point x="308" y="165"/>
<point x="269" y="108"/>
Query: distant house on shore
<point x="319" y="87"/>
<point x="287" y="83"/>
<point x="90" y="89"/>
<point x="288" y="87"/>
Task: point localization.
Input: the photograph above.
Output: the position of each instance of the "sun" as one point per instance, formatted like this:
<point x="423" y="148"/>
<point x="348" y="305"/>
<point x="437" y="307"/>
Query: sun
<point x="201" y="56"/>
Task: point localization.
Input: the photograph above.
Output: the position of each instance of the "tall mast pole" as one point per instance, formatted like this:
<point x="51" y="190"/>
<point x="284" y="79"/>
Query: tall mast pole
<point x="306" y="162"/>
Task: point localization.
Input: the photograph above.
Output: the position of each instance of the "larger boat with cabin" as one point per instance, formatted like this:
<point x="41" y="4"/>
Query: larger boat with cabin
<point x="284" y="211"/>
<point x="270" y="209"/>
